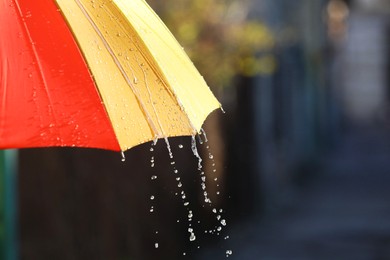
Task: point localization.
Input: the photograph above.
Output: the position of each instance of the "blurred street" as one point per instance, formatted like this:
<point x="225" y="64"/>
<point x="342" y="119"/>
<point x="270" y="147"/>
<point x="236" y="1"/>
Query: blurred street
<point x="341" y="210"/>
<point x="339" y="206"/>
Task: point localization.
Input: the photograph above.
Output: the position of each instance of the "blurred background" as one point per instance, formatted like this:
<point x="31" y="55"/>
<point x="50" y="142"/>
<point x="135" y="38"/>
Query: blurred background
<point x="298" y="166"/>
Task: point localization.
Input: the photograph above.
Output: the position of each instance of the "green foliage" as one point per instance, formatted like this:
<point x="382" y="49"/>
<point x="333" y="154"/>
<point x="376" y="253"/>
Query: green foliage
<point x="219" y="38"/>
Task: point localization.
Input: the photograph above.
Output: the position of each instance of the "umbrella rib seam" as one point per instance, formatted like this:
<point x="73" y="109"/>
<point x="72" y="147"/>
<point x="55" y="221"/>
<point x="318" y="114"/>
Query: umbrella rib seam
<point x="162" y="76"/>
<point x="128" y="81"/>
<point x="35" y="54"/>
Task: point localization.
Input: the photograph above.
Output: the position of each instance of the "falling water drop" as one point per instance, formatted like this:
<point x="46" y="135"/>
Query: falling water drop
<point x="195" y="152"/>
<point x="152" y="162"/>
<point x="169" y="148"/>
<point x="229" y="253"/>
<point x="192" y="237"/>
<point x="203" y="132"/>
<point x="123" y="156"/>
<point x="156" y="245"/>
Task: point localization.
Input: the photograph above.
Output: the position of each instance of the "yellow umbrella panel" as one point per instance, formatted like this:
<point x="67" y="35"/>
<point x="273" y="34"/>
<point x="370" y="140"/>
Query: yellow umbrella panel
<point x="148" y="85"/>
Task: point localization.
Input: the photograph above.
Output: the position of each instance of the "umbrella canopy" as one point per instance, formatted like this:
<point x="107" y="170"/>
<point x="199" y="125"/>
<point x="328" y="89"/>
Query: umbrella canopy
<point x="94" y="73"/>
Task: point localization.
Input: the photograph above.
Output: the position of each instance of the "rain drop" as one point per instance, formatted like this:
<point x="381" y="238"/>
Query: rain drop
<point x="152" y="197"/>
<point x="153" y="177"/>
<point x="169" y="148"/>
<point x="155" y="245"/>
<point x="229" y="253"/>
<point x="195" y="152"/>
<point x="123" y="156"/>
<point x="203" y="132"/>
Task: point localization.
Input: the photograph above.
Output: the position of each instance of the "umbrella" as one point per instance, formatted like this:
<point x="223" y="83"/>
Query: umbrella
<point x="94" y="73"/>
